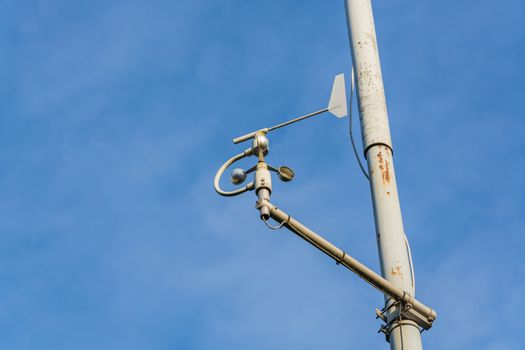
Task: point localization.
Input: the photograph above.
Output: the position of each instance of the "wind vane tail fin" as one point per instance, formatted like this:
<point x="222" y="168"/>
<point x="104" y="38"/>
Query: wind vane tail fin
<point x="337" y="104"/>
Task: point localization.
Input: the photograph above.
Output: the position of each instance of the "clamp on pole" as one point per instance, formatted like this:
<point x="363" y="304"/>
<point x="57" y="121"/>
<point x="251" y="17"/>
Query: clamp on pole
<point x="401" y="312"/>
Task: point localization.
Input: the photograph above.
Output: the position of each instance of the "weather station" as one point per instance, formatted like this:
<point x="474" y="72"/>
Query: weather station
<point x="404" y="316"/>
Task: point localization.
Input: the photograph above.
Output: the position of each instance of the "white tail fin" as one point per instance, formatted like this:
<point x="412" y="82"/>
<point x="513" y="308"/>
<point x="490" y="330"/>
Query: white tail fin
<point x="337" y="104"/>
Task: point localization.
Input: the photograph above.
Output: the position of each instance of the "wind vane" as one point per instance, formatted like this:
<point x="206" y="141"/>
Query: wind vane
<point x="336" y="106"/>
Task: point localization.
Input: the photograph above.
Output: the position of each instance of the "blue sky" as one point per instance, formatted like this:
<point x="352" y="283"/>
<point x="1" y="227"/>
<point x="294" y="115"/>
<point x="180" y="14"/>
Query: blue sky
<point x="115" y="116"/>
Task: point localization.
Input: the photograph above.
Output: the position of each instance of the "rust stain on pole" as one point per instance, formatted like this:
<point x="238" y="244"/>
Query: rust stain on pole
<point x="386" y="173"/>
<point x="384" y="166"/>
<point x="397" y="271"/>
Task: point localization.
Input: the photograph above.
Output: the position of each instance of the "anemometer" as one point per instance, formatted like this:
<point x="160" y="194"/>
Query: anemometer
<point x="262" y="183"/>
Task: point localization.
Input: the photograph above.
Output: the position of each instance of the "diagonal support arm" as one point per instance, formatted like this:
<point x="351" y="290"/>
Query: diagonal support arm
<point x="425" y="313"/>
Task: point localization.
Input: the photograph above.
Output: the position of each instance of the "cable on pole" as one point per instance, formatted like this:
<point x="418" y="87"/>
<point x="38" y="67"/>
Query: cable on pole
<point x="352" y="88"/>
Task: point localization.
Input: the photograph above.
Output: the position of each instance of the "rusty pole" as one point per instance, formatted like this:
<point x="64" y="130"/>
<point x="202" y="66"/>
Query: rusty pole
<point x="394" y="253"/>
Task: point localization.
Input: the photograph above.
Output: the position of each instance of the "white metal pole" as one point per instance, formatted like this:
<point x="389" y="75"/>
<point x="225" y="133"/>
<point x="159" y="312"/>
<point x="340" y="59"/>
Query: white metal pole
<point x="394" y="252"/>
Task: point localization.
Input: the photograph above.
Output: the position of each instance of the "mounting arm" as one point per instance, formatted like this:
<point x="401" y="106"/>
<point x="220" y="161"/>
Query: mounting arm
<point x="411" y="308"/>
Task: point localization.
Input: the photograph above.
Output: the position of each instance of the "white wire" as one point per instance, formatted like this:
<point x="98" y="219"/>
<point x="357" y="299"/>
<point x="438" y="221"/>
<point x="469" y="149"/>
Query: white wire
<point x="411" y="264"/>
<point x="352" y="88"/>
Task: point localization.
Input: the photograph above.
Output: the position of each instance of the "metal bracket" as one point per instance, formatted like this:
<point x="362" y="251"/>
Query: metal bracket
<point x="397" y="313"/>
<point x="413" y="315"/>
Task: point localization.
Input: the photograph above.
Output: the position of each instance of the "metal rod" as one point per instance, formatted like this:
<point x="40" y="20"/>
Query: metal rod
<point x="267" y="130"/>
<point x="348" y="261"/>
<point x="396" y="265"/>
<point x="299" y="119"/>
<point x="248" y="136"/>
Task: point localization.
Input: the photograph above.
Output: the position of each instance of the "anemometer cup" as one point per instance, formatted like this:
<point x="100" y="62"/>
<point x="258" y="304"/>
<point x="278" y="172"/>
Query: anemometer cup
<point x="285" y="174"/>
<point x="238" y="176"/>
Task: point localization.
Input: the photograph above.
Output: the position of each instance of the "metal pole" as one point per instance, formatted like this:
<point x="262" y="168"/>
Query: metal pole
<point x="394" y="253"/>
